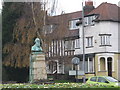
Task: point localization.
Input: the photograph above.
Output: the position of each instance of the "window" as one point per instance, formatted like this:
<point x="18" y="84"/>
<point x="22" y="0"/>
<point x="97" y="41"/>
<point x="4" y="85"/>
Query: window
<point x="72" y="24"/>
<point x="89" y="20"/>
<point x="102" y="64"/>
<point x="86" y="65"/>
<point x="89" y="41"/>
<point x="81" y="64"/>
<point x="89" y="64"/>
<point x="49" y="28"/>
<point x="111" y="79"/>
<point x="93" y="79"/>
<point x="105" y="39"/>
<point x="55" y="47"/>
<point x="101" y="79"/>
<point x="89" y="67"/>
<point x="77" y="43"/>
<point x="69" y="45"/>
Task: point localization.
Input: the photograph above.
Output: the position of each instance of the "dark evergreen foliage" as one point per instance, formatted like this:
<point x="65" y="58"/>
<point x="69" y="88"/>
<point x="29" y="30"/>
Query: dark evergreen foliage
<point x="10" y="14"/>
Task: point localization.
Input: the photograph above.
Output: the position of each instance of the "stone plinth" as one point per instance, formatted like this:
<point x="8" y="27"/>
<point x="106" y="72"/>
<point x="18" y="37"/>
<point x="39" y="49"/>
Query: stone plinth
<point x="37" y="67"/>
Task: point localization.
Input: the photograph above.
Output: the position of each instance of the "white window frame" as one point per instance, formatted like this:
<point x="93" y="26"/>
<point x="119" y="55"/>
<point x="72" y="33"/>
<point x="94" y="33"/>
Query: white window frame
<point x="107" y="56"/>
<point x="72" y="24"/>
<point x="89" y="20"/>
<point x="77" y="43"/>
<point x="89" y="65"/>
<point x="89" y="41"/>
<point x="105" y="39"/>
<point x="86" y="21"/>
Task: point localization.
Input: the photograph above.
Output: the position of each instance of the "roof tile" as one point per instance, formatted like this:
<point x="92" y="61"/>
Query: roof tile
<point x="107" y="11"/>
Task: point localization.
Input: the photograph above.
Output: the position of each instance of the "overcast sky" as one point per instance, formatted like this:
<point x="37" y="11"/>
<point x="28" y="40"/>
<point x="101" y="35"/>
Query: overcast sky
<point x="76" y="5"/>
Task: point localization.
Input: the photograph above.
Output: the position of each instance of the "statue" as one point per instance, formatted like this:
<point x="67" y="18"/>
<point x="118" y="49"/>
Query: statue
<point x="36" y="47"/>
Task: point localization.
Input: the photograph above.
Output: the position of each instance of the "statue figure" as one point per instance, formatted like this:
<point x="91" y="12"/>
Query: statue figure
<point x="36" y="47"/>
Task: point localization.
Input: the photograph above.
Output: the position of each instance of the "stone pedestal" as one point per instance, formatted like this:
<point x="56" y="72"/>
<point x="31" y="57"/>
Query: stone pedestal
<point x="37" y="67"/>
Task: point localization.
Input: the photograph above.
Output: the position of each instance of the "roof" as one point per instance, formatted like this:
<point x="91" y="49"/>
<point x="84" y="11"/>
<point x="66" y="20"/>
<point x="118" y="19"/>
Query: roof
<point x="106" y="12"/>
<point x="62" y="29"/>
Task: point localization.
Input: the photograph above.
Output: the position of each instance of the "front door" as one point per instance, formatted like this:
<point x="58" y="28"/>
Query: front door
<point x="109" y="63"/>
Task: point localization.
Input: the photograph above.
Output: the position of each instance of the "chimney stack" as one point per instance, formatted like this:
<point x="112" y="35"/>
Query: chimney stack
<point x="89" y="3"/>
<point x="88" y="7"/>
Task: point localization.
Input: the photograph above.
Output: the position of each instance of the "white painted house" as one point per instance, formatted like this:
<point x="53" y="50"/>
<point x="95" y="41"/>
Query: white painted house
<point x="101" y="41"/>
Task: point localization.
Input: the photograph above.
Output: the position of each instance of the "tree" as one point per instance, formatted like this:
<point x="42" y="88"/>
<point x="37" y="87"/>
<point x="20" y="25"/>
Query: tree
<point x="19" y="32"/>
<point x="22" y="23"/>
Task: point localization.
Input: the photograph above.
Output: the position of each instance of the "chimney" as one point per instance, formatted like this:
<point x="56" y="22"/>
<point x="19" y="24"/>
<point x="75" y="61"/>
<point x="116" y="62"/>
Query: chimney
<point x="88" y="7"/>
<point x="89" y="3"/>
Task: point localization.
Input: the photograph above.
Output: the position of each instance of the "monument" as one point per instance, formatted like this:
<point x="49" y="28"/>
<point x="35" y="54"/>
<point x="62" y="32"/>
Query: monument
<point x="37" y="63"/>
<point x="36" y="47"/>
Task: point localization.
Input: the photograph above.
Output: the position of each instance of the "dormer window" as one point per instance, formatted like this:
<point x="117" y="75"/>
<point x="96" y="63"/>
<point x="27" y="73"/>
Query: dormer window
<point x="72" y="24"/>
<point x="89" y="20"/>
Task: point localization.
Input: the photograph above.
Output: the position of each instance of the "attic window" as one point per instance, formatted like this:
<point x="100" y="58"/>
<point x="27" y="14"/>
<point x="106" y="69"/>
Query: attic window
<point x="72" y="24"/>
<point x="89" y="20"/>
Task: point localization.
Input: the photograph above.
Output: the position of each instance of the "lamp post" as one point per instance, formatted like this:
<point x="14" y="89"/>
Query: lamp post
<point x="83" y="42"/>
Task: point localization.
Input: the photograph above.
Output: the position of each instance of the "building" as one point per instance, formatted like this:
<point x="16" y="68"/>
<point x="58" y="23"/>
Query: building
<point x="61" y="38"/>
<point x="102" y="50"/>
<point x="101" y="41"/>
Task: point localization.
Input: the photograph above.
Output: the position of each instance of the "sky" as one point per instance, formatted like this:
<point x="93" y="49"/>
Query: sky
<point x="69" y="6"/>
<point x="76" y="5"/>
